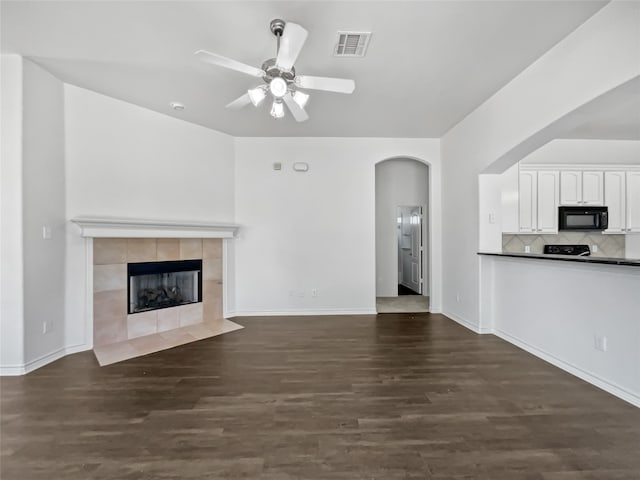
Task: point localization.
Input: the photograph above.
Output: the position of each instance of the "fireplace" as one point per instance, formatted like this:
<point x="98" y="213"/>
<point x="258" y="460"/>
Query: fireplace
<point x="157" y="285"/>
<point x="157" y="269"/>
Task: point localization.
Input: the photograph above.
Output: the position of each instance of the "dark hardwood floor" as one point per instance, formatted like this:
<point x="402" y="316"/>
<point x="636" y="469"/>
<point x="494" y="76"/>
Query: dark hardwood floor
<point x="363" y="397"/>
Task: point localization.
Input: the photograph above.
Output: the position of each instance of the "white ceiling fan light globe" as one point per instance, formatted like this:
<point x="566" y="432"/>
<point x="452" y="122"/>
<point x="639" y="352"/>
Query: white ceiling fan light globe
<point x="278" y="87"/>
<point x="277" y="109"/>
<point x="300" y="98"/>
<point x="257" y="95"/>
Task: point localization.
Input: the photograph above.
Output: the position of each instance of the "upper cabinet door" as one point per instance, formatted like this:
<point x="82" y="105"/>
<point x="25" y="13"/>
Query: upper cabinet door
<point x="633" y="202"/>
<point x="548" y="193"/>
<point x="570" y="188"/>
<point x="592" y="188"/>
<point x="615" y="199"/>
<point x="527" y="208"/>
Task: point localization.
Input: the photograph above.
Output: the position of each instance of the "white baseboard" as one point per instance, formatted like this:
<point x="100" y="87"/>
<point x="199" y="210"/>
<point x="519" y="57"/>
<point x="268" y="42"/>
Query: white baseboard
<point x="30" y="366"/>
<point x="11" y="370"/>
<point x="593" y="379"/>
<point x="466" y="323"/>
<point x="589" y="377"/>
<point x="293" y="313"/>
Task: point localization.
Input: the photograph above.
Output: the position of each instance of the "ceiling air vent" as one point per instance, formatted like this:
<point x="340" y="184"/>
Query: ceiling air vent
<point x="352" y="44"/>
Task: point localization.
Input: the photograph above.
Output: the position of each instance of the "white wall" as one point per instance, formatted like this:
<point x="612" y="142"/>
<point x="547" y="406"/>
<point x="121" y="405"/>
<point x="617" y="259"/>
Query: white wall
<point x="598" y="56"/>
<point x="548" y="308"/>
<point x="316" y="230"/>
<point x="399" y="182"/>
<point x="571" y="151"/>
<point x="43" y="205"/>
<point x="632" y="245"/>
<point x="11" y="267"/>
<point x="127" y="161"/>
<point x="490" y="212"/>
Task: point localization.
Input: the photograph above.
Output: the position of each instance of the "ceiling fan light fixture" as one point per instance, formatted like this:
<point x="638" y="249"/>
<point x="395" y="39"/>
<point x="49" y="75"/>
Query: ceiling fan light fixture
<point x="300" y="98"/>
<point x="277" y="109"/>
<point x="278" y="87"/>
<point x="257" y="95"/>
<point x="279" y="74"/>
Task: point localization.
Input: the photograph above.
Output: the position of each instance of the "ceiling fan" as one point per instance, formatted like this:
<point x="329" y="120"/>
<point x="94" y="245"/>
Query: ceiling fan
<point x="279" y="75"/>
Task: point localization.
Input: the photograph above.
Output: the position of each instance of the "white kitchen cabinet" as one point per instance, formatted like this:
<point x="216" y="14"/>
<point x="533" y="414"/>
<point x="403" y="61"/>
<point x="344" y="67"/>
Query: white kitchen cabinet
<point x="581" y="187"/>
<point x="592" y="188"/>
<point x="538" y="201"/>
<point x="548" y="196"/>
<point x="528" y="201"/>
<point x="615" y="198"/>
<point x="570" y="188"/>
<point x="633" y="201"/>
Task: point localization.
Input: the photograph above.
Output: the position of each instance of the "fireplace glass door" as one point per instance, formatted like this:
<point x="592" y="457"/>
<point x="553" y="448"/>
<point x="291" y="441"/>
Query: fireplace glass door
<point x="154" y="285"/>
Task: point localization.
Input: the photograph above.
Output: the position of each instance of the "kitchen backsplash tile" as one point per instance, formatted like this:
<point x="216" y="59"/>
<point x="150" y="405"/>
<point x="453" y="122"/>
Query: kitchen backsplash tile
<point x="611" y="246"/>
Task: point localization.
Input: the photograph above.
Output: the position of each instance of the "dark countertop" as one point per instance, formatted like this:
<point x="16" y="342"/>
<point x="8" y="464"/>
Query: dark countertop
<point x="630" y="262"/>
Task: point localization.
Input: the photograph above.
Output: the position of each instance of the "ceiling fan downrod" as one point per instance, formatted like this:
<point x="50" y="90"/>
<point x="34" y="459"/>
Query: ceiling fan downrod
<point x="277" y="28"/>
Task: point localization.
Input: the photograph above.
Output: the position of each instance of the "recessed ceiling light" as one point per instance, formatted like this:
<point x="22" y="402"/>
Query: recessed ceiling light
<point x="177" y="106"/>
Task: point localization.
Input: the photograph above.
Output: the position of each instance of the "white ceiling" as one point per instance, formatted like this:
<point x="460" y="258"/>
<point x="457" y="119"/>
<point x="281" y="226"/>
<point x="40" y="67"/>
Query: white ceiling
<point x="617" y="120"/>
<point x="429" y="63"/>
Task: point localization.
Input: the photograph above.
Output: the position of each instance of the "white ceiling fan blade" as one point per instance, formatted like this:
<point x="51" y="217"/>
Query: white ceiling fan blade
<point x="296" y="110"/>
<point x="219" y="60"/>
<point x="240" y="102"/>
<point x="338" y="85"/>
<point x="291" y="43"/>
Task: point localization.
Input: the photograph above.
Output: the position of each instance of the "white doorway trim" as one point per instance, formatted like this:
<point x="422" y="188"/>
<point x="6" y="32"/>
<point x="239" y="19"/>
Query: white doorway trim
<point x="428" y="232"/>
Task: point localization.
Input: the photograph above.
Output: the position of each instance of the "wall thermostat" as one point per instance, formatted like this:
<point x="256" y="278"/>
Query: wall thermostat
<point x="301" y="167"/>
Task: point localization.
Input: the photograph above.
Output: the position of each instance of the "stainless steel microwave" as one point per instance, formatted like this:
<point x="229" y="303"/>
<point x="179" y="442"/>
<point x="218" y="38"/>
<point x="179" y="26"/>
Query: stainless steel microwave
<point x="583" y="218"/>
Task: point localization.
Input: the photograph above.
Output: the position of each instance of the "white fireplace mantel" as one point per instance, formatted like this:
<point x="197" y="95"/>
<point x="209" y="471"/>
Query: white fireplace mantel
<point x="105" y="227"/>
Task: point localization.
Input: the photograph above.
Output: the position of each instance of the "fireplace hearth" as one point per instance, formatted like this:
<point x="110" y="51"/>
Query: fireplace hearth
<point x="157" y="285"/>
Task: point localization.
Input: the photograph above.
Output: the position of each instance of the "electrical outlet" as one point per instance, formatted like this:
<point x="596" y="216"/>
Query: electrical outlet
<point x="594" y="248"/>
<point x="527" y="249"/>
<point x="46" y="232"/>
<point x="314" y="292"/>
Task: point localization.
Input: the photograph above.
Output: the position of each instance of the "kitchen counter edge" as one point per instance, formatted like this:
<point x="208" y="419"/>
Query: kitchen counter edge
<point x="629" y="262"/>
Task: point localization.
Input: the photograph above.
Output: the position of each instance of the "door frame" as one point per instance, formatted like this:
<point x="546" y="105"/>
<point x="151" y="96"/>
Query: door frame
<point x="424" y="237"/>
<point x="430" y="215"/>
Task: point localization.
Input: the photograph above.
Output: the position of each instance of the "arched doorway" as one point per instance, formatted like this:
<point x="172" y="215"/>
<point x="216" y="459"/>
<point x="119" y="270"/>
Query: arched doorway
<point x="402" y="235"/>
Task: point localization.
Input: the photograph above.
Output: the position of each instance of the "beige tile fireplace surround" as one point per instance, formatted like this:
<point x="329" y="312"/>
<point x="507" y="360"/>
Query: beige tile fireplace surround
<point x="114" y="242"/>
<point x="110" y="259"/>
<point x="118" y="335"/>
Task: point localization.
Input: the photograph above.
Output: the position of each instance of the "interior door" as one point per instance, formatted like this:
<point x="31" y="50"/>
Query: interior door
<point x="410" y="248"/>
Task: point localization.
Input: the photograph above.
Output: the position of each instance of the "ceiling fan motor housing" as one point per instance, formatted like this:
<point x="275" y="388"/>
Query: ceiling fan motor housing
<point x="272" y="71"/>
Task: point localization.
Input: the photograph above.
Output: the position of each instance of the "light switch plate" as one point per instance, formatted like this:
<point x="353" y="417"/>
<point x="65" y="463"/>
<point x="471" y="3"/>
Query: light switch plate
<point x="46" y="232"/>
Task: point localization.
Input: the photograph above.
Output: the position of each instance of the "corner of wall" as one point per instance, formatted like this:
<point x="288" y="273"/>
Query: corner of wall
<point x="11" y="246"/>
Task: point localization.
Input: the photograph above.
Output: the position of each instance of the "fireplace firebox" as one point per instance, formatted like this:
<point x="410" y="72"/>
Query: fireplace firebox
<point x="155" y="285"/>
